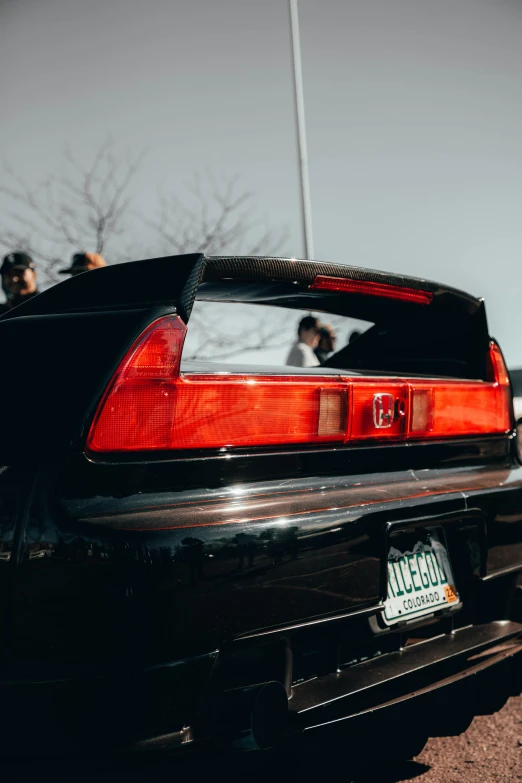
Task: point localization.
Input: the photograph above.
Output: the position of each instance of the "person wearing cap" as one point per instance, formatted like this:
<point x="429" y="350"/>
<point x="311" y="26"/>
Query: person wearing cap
<point x="18" y="273"/>
<point x="83" y="262"/>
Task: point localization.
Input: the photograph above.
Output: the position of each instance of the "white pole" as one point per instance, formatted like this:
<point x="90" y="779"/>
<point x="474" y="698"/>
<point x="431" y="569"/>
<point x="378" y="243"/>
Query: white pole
<point x="301" y="134"/>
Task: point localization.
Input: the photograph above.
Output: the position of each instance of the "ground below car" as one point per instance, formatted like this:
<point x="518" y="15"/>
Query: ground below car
<point x="490" y="751"/>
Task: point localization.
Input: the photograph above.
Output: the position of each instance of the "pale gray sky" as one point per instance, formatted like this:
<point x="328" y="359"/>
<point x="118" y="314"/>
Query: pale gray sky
<point x="414" y="119"/>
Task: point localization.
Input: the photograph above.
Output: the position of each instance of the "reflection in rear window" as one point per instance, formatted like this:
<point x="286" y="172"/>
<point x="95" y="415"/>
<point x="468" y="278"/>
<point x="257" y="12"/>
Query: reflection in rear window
<point x="258" y="335"/>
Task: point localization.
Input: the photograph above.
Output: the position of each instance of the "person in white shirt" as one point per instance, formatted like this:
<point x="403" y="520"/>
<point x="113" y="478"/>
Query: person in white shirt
<point x="302" y="351"/>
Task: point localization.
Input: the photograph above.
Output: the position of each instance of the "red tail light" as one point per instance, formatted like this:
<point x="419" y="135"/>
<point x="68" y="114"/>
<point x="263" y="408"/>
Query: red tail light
<point x="139" y="407"/>
<point x="247" y="411"/>
<point x="149" y="405"/>
<point x="370" y="288"/>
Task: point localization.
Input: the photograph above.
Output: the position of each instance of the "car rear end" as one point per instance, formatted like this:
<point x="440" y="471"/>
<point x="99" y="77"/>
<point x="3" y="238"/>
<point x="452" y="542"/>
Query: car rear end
<point x="197" y="554"/>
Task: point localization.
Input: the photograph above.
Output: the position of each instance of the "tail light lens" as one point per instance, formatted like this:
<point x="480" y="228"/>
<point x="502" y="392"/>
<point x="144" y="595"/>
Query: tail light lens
<point x="139" y="407"/>
<point x="246" y="411"/>
<point x="149" y="405"/>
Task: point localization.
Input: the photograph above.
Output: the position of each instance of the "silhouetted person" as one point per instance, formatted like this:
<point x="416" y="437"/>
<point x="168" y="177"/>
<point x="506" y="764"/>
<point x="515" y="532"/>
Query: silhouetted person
<point x="83" y="262"/>
<point x="18" y="274"/>
<point x="326" y="344"/>
<point x="194" y="556"/>
<point x="247" y="547"/>
<point x="302" y="351"/>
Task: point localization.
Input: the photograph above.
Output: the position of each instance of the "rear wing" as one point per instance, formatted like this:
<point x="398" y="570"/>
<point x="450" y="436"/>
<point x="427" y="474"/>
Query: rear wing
<point x="286" y="282"/>
<point x="61" y="349"/>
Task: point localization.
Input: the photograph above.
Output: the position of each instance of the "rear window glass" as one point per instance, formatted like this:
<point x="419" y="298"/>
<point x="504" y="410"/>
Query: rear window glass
<point x="259" y="335"/>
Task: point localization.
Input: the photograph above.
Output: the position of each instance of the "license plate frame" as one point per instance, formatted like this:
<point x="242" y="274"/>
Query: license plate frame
<point x="420" y="578"/>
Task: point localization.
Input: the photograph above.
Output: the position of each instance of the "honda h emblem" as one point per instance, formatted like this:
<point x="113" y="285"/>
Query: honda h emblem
<point x="383" y="410"/>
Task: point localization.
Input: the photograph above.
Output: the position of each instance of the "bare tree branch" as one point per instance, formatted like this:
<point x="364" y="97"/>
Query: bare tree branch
<point x="87" y="206"/>
<point x="213" y="347"/>
<point x="216" y="219"/>
<point x="82" y="209"/>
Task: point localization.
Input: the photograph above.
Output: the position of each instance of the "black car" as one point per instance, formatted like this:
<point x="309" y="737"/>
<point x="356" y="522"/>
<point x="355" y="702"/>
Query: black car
<point x="197" y="554"/>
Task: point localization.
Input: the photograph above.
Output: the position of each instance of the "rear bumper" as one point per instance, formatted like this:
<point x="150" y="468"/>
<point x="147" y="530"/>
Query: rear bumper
<point x="400" y="678"/>
<point x="431" y="686"/>
<point x="427" y="680"/>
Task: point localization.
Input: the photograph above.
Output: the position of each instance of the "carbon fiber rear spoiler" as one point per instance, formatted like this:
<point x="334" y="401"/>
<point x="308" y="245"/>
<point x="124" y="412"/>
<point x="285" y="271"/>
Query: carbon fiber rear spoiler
<point x="176" y="279"/>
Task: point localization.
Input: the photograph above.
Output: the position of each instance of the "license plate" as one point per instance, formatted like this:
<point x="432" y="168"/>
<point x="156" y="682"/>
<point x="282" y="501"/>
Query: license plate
<point x="420" y="579"/>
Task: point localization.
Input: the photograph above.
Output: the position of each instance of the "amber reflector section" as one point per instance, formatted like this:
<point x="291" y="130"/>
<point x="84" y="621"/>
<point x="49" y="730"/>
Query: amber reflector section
<point x="332" y="412"/>
<point x="421" y="410"/>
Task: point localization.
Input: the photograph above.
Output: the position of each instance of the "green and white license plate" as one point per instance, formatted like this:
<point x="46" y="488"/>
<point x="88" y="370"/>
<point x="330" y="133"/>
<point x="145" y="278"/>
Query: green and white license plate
<point x="420" y="579"/>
